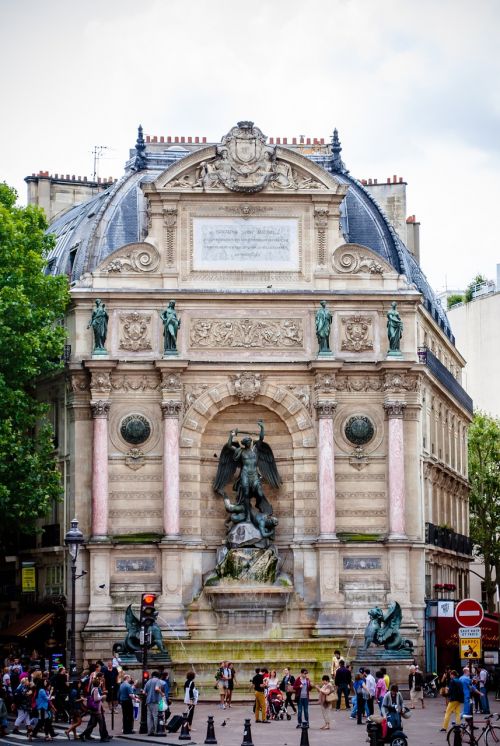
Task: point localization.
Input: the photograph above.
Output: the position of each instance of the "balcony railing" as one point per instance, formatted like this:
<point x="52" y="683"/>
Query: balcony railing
<point x="446" y="538"/>
<point x="444" y="376"/>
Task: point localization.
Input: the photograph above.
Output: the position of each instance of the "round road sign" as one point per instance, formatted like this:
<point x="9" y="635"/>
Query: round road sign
<point x="469" y="613"/>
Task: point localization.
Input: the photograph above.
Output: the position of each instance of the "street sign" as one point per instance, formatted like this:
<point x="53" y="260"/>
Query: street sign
<point x="470" y="648"/>
<point x="469" y="632"/>
<point x="469" y="613"/>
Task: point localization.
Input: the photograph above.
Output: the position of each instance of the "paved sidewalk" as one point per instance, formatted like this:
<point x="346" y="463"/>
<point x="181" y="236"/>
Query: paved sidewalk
<point x="422" y="729"/>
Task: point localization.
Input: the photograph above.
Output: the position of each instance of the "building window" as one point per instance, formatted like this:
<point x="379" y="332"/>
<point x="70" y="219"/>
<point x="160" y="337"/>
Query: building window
<point x="428" y="586"/>
<point x="54" y="584"/>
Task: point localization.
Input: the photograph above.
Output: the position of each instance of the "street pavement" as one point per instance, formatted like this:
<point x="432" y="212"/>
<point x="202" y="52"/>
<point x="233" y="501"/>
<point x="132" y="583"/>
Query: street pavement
<point x="422" y="729"/>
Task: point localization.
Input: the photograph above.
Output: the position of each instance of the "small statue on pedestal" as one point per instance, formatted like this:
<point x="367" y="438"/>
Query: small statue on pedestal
<point x="99" y="324"/>
<point x="323" y="326"/>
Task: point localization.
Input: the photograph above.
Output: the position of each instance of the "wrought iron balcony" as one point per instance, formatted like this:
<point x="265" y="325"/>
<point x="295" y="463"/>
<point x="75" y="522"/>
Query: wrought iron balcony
<point x="446" y="538"/>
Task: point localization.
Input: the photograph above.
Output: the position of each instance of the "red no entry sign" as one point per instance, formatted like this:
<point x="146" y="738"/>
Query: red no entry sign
<point x="469" y="613"/>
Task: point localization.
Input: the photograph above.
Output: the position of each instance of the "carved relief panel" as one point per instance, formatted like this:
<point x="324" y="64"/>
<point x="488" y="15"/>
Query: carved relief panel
<point x="357" y="334"/>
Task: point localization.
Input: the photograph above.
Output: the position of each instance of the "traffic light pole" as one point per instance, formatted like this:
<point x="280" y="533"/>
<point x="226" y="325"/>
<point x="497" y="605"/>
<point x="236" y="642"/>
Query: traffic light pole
<point x="143" y="729"/>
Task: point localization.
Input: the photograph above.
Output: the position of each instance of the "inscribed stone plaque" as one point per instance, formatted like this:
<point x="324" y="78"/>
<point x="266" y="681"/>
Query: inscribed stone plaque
<point x="245" y="244"/>
<point x="362" y="563"/>
<point x="136" y="564"/>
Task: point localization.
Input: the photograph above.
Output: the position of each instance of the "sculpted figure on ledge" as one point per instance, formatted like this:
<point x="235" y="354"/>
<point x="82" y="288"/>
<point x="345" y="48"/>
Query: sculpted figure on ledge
<point x="255" y="460"/>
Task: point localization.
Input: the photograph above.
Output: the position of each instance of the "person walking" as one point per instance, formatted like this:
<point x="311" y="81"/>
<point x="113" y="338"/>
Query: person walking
<point x="75" y="707"/>
<point x="22" y="701"/>
<point x="466" y="682"/>
<point x="335" y="663"/>
<point x="326" y="697"/>
<point x="343" y="680"/>
<point x="286" y="686"/>
<point x="416" y="685"/>
<point x="260" y="697"/>
<point x="302" y="688"/>
<point x="190" y="696"/>
<point x="125" y="700"/>
<point x="380" y="688"/>
<point x="370" y="686"/>
<point x="230" y="684"/>
<point x="359" y="684"/>
<point x="96" y="710"/>
<point x="153" y="690"/>
<point x="483" y="689"/>
<point x="455" y="698"/>
<point x="43" y="698"/>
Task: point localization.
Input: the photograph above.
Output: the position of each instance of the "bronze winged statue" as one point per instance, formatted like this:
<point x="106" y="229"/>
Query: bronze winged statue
<point x="255" y="460"/>
<point x="131" y="643"/>
<point x="383" y="629"/>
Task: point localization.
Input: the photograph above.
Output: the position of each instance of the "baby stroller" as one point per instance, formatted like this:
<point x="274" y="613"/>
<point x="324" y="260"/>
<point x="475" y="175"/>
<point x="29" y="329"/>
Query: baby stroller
<point x="276" y="709"/>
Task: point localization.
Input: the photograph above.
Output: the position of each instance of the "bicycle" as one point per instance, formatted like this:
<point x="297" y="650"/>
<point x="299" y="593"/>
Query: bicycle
<point x="466" y="730"/>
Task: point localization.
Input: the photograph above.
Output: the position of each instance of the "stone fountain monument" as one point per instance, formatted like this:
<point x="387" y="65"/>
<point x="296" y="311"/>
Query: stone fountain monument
<point x="247" y="574"/>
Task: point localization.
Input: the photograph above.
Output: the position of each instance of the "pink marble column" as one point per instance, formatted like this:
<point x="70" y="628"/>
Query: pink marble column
<point x="326" y="469"/>
<point x="100" y="489"/>
<point x="171" y="504"/>
<point x="396" y="469"/>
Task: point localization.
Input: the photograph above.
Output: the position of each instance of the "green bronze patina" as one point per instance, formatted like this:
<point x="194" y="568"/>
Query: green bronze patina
<point x="171" y="325"/>
<point x="359" y="430"/>
<point x="394" y="331"/>
<point x="323" y="326"/>
<point x="99" y="325"/>
<point x="384" y="629"/>
<point x="135" y="429"/>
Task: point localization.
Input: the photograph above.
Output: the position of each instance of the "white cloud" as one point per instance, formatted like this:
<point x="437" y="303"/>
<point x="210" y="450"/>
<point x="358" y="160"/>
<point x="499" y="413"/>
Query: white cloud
<point x="412" y="87"/>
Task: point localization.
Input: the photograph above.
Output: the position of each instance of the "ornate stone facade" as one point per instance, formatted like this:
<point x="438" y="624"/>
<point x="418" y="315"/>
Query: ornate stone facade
<point x="247" y="237"/>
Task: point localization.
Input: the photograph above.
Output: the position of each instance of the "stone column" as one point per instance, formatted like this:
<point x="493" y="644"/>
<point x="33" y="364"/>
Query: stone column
<point x="326" y="469"/>
<point x="171" y="507"/>
<point x="100" y="489"/>
<point x="396" y="469"/>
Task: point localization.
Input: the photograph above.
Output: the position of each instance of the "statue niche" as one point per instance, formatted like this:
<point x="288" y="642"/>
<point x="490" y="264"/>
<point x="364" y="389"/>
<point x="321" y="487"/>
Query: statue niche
<point x="248" y="554"/>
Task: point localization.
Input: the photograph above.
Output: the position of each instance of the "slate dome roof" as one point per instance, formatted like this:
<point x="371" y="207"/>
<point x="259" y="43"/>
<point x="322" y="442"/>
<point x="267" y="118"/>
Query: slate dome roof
<point x="87" y="233"/>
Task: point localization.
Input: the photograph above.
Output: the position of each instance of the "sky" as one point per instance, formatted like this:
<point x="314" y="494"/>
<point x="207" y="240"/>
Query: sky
<point x="411" y="85"/>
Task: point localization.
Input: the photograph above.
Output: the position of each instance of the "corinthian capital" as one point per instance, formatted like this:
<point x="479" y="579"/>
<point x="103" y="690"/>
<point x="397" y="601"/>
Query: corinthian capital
<point x="394" y="409"/>
<point x="325" y="407"/>
<point x="171" y="408"/>
<point x="100" y="409"/>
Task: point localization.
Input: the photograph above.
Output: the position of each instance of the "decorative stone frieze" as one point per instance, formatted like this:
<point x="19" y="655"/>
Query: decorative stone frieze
<point x="100" y="382"/>
<point x="135" y="331"/>
<point x="245" y="211"/>
<point x="325" y="383"/>
<point x="358" y="383"/>
<point x="399" y="382"/>
<point x="134" y="382"/>
<point x="135" y="459"/>
<point x="252" y="333"/>
<point x="357" y="333"/>
<point x="78" y="383"/>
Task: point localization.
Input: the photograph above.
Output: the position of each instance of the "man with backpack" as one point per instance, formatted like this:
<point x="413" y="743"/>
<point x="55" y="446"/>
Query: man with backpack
<point x="22" y="700"/>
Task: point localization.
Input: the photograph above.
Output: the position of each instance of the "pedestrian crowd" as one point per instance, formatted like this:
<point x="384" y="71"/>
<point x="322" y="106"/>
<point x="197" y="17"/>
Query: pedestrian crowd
<point x="465" y="693"/>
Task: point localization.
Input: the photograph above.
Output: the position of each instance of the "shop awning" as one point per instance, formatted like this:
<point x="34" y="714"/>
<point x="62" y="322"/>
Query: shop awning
<point x="25" y="625"/>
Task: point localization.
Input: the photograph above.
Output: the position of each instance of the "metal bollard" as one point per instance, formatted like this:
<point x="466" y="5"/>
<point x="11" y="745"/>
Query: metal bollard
<point x="372" y="729"/>
<point x="161" y="723"/>
<point x="247" y="734"/>
<point x="184" y="735"/>
<point x="210" y="730"/>
<point x="304" y="735"/>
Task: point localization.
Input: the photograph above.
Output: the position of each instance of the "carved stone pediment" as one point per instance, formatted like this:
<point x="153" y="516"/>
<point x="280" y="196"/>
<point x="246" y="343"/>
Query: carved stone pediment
<point x="357" y="259"/>
<point x="131" y="259"/>
<point x="245" y="162"/>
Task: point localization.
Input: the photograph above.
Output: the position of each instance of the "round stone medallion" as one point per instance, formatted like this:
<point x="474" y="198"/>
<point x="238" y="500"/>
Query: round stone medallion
<point x="135" y="429"/>
<point x="359" y="430"/>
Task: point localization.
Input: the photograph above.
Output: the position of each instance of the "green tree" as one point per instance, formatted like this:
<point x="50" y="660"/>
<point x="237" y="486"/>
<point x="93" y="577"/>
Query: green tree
<point x="32" y="306"/>
<point x="452" y="300"/>
<point x="484" y="476"/>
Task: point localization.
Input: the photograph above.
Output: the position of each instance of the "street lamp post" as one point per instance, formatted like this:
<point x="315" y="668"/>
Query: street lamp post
<point x="73" y="540"/>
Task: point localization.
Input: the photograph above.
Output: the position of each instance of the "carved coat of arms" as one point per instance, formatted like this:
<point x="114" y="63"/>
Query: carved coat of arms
<point x="244" y="162"/>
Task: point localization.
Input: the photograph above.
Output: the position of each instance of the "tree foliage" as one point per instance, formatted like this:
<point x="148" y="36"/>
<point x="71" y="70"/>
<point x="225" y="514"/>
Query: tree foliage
<point x="484" y="476"/>
<point x="469" y="290"/>
<point x="32" y="305"/>
<point x="452" y="300"/>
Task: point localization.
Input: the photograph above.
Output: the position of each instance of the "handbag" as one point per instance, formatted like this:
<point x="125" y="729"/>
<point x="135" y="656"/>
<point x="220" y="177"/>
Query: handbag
<point x="92" y="705"/>
<point x="330" y="697"/>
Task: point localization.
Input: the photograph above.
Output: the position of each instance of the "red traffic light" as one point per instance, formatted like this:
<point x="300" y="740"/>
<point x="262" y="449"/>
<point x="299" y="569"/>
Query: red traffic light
<point x="148" y="598"/>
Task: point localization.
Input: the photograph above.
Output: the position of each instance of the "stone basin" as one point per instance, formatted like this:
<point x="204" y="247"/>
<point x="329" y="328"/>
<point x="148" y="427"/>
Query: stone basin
<point x="229" y="597"/>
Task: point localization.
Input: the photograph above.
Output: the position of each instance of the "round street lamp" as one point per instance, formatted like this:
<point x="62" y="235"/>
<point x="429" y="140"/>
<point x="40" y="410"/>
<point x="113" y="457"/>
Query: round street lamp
<point x="73" y="540"/>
